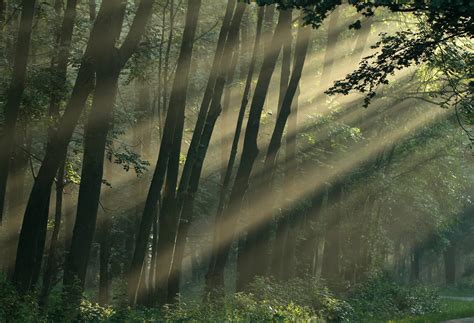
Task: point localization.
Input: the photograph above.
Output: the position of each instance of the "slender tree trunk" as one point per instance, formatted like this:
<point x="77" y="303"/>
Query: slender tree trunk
<point x="187" y="193"/>
<point x="97" y="128"/>
<point x="225" y="118"/>
<point x="104" y="237"/>
<point x="3" y="9"/>
<point x="415" y="266"/>
<point x="50" y="271"/>
<point x="166" y="71"/>
<point x="14" y="95"/>
<point x="104" y="259"/>
<point x="450" y="265"/>
<point x="169" y="156"/>
<point x="262" y="239"/>
<point x="92" y="10"/>
<point x="154" y="192"/>
<point x="330" y="54"/>
<point x="153" y="262"/>
<point x="59" y="67"/>
<point x="331" y="255"/>
<point x="161" y="81"/>
<point x="241" y="263"/>
<point x="16" y="200"/>
<point x="28" y="261"/>
<point x="289" y="265"/>
<point x="194" y="146"/>
<point x="109" y="64"/>
<point x="284" y="79"/>
<point x="225" y="225"/>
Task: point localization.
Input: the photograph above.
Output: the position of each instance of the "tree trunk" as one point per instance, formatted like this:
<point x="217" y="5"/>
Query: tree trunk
<point x="28" y="260"/>
<point x="225" y="225"/>
<point x="260" y="233"/>
<point x="14" y="95"/>
<point x="92" y="11"/>
<point x="50" y="271"/>
<point x="98" y="124"/>
<point x="330" y="54"/>
<point x="289" y="265"/>
<point x="415" y="265"/>
<point x="110" y="62"/>
<point x="240" y="118"/>
<point x="16" y="200"/>
<point x="257" y="238"/>
<point x="450" y="265"/>
<point x="158" y="177"/>
<point x="186" y="196"/>
<point x="104" y="259"/>
<point x="169" y="156"/>
<point x="331" y="255"/>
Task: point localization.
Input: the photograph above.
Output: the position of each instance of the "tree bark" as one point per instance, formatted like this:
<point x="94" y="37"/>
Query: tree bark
<point x="14" y="95"/>
<point x="187" y="193"/>
<point x="225" y="225"/>
<point x="50" y="271"/>
<point x="450" y="265"/>
<point x="154" y="192"/>
<point x="330" y="54"/>
<point x="330" y="269"/>
<point x="92" y="10"/>
<point x="260" y="235"/>
<point x="16" y="198"/>
<point x="110" y="61"/>
<point x="28" y="260"/>
<point x="168" y="158"/>
<point x="415" y="265"/>
<point x="104" y="259"/>
<point x="97" y="128"/>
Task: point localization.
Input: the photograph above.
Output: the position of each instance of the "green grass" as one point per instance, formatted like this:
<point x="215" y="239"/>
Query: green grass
<point x="450" y="310"/>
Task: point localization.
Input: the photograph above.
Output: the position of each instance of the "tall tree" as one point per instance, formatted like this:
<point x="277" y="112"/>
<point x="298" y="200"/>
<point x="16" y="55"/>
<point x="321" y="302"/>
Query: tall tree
<point x="154" y="192"/>
<point x="189" y="185"/>
<point x="225" y="225"/>
<point x="261" y="248"/>
<point x="31" y="242"/>
<point x="168" y="159"/>
<point x="109" y="64"/>
<point x="98" y="123"/>
<point x="14" y="95"/>
<point x="59" y="70"/>
<point x="169" y="214"/>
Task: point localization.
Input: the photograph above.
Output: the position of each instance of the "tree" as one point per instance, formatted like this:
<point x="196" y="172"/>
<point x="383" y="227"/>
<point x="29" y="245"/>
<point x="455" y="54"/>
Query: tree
<point x="225" y="225"/>
<point x="109" y="63"/>
<point x="15" y="92"/>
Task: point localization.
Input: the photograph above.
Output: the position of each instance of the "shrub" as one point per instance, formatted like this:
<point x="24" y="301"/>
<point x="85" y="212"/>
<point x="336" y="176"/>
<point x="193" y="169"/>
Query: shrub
<point x="309" y="293"/>
<point x="17" y="308"/>
<point x="381" y="298"/>
<point x="238" y="307"/>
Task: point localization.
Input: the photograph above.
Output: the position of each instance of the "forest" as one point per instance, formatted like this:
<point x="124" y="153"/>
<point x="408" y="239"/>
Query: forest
<point x="230" y="160"/>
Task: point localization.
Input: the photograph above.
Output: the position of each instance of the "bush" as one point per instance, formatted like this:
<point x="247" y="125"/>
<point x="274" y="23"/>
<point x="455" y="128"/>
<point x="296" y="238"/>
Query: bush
<point x="16" y="308"/>
<point x="310" y="293"/>
<point x="238" y="307"/>
<point x="381" y="298"/>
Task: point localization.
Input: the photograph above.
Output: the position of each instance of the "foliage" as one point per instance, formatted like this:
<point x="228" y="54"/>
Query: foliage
<point x="381" y="298"/>
<point x="239" y="307"/>
<point x="309" y="292"/>
<point x="16" y="308"/>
